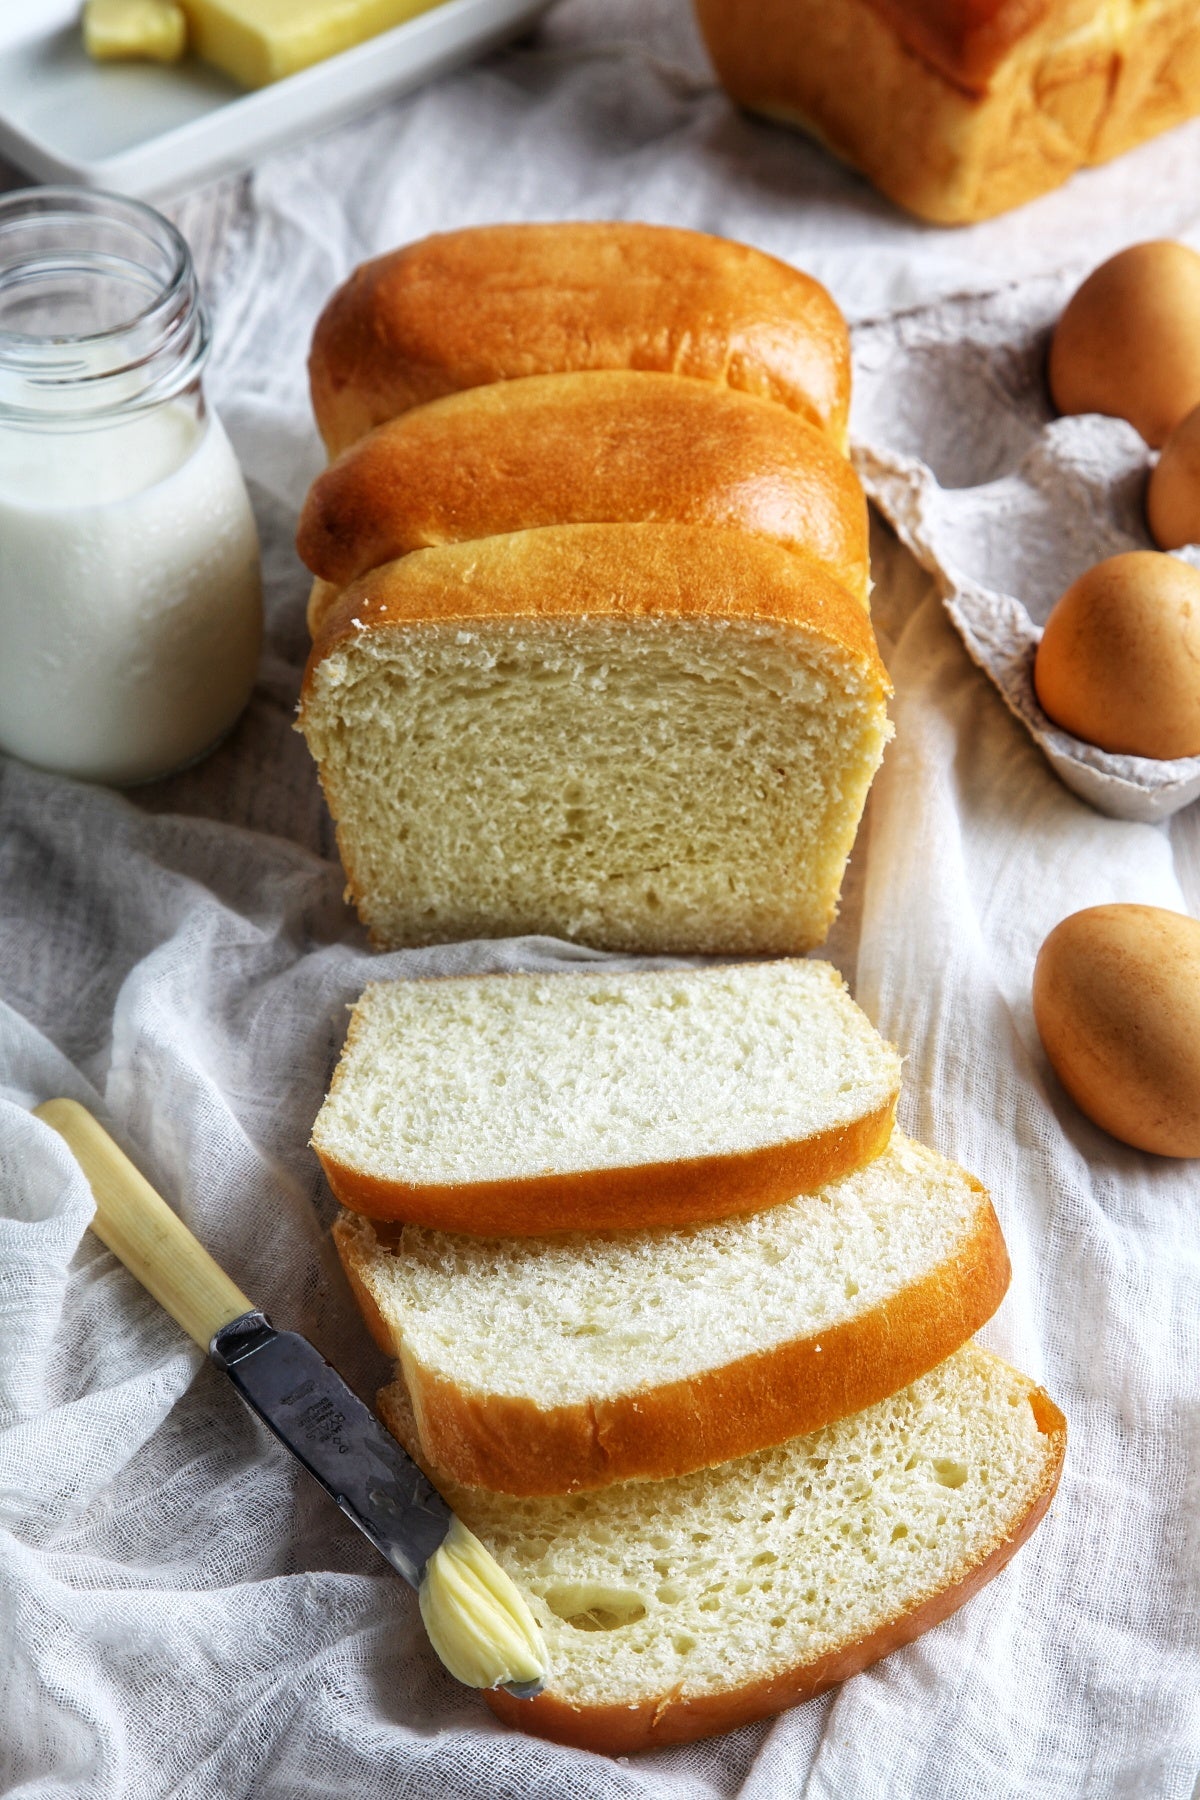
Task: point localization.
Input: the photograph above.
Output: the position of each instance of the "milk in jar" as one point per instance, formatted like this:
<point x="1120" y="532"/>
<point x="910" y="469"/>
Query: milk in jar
<point x="130" y="599"/>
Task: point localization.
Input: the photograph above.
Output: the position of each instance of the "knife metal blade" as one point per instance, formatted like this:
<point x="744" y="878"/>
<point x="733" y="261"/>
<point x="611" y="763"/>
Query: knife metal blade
<point x="281" y="1376"/>
<point x="304" y="1401"/>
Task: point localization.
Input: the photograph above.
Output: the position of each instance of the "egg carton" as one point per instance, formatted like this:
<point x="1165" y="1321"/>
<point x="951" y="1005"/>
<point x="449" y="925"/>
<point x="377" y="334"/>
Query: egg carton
<point x="1005" y="505"/>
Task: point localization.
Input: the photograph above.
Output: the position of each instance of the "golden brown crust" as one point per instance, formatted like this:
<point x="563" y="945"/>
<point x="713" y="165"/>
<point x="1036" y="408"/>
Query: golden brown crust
<point x="511" y="1445"/>
<point x="967" y="40"/>
<point x="601" y="447"/>
<point x="648" y="1194"/>
<point x="999" y="102"/>
<point x="635" y="572"/>
<point x="500" y="302"/>
<point x="321" y="597"/>
<point x="678" y="1719"/>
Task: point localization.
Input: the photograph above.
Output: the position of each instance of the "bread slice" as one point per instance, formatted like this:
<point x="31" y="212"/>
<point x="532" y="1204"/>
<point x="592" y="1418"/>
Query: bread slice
<point x="691" y="1606"/>
<point x="647" y="737"/>
<point x="547" y="1365"/>
<point x="602" y="448"/>
<point x="512" y="1105"/>
<point x="501" y="302"/>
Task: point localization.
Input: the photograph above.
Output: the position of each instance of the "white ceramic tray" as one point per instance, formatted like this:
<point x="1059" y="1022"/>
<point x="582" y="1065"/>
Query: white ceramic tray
<point x="151" y="130"/>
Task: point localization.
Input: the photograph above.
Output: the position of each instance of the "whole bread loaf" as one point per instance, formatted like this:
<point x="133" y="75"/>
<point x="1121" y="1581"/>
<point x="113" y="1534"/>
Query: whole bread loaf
<point x="649" y="737"/>
<point x="515" y="1105"/>
<point x="547" y="1365"/>
<point x="603" y="448"/>
<point x="499" y="302"/>
<point x="960" y="109"/>
<point x="585" y="661"/>
<point x="677" y="1609"/>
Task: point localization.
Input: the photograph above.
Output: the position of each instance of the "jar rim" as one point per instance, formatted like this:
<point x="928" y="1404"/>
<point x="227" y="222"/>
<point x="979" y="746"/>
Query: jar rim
<point x="48" y="203"/>
<point x="57" y="377"/>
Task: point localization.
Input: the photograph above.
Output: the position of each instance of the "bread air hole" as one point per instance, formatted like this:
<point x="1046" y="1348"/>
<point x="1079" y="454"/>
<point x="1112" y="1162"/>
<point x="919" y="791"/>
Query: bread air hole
<point x="595" y="1608"/>
<point x="950" y="1474"/>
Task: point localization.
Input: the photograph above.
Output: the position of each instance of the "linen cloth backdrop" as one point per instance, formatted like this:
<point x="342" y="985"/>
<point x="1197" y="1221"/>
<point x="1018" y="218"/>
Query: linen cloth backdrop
<point x="183" y="1614"/>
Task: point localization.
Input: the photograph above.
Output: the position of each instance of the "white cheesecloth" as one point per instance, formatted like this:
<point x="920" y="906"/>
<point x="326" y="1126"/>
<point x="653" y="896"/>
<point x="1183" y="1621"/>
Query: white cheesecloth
<point x="182" y="1613"/>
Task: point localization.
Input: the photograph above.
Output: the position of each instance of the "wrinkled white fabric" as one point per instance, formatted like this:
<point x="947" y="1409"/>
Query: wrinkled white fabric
<point x="183" y="1615"/>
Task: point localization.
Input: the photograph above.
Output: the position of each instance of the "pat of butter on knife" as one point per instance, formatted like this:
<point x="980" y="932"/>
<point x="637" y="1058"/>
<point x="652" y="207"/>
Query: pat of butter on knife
<point x="260" y="41"/>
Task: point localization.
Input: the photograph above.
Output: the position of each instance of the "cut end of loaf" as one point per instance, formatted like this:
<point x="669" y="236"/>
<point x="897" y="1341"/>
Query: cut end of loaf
<point x="757" y="1584"/>
<point x="642" y="738"/>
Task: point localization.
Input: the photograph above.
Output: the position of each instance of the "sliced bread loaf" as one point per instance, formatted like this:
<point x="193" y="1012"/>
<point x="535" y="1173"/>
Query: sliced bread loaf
<point x="606" y="447"/>
<point x="543" y="1365"/>
<point x="512" y="1105"/>
<point x="689" y="1607"/>
<point x="647" y="737"/>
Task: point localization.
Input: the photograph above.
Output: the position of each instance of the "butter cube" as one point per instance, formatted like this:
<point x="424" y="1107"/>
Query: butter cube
<point x="122" y="30"/>
<point x="258" y="41"/>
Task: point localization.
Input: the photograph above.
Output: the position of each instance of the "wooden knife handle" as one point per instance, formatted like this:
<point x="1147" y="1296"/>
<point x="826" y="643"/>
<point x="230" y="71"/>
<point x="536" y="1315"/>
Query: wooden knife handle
<point x="138" y="1226"/>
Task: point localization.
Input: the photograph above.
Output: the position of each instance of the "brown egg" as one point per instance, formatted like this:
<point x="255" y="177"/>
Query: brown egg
<point x="1119" y="660"/>
<point x="1128" y="343"/>
<point x="1116" y="998"/>
<point x="1173" y="496"/>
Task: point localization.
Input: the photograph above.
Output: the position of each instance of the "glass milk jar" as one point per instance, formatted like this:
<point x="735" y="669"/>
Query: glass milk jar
<point x="130" y="596"/>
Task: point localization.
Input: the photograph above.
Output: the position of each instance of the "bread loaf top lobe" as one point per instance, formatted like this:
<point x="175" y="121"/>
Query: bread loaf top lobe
<point x="968" y="40"/>
<point x="499" y="302"/>
<point x="604" y="447"/>
<point x="658" y="573"/>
